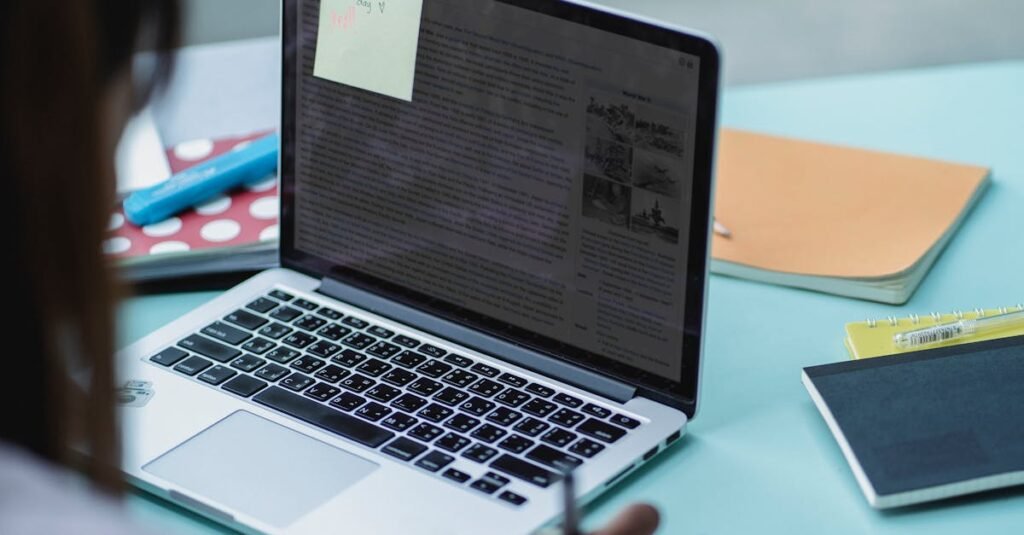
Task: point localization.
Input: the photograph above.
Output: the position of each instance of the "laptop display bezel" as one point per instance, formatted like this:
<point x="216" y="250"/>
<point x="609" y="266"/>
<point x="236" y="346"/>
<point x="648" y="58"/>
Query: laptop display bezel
<point x="682" y="394"/>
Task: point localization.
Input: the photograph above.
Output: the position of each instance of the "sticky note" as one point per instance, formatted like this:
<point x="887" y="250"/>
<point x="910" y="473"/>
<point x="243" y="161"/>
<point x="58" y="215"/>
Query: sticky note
<point x="369" y="44"/>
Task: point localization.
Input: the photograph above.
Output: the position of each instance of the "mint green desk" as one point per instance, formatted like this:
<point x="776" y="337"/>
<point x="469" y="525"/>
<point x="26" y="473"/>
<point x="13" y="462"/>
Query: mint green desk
<point x="758" y="458"/>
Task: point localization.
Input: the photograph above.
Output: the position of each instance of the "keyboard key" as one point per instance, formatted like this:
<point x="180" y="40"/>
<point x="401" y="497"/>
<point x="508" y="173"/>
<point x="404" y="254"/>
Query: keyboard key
<point x="398" y="377"/>
<point x="477" y="406"/>
<point x="334" y="332"/>
<point x="458" y="360"/>
<point x="310" y="323"/>
<point x="297" y="382"/>
<point x="531" y="427"/>
<point x="408" y="359"/>
<point x="432" y="351"/>
<point x="452" y="442"/>
<point x="405" y="341"/>
<point x="380" y="332"/>
<point x="307" y="364"/>
<point x="355" y="322"/>
<point x="359" y="341"/>
<point x="275" y="330"/>
<point x="373" y="411"/>
<point x="525" y="471"/>
<point x="324" y="349"/>
<point x="570" y="401"/>
<point x="483" y="369"/>
<point x="258" y="346"/>
<point x="511" y="497"/>
<point x="399" y="421"/>
<point x="461" y="423"/>
<point x="486" y="388"/>
<point x="245" y="320"/>
<point x="426" y="432"/>
<point x="434" y="369"/>
<point x="426" y="387"/>
<point x="349" y="358"/>
<point x="322" y="391"/>
<point x="244" y="386"/>
<point x="324" y="417"/>
<point x="540" y="390"/>
<point x="404" y="449"/>
<point x="272" y="372"/>
<point x="596" y="410"/>
<point x="435" y="461"/>
<point x="330" y="313"/>
<point x="460" y="378"/>
<point x="490" y="483"/>
<point x="286" y="314"/>
<point x="539" y="407"/>
<point x="549" y="456"/>
<point x="409" y="402"/>
<point x="513" y="380"/>
<point x="624" y="421"/>
<point x="357" y="383"/>
<point x="455" y="475"/>
<point x="208" y="348"/>
<point x="217" y="375"/>
<point x="558" y="437"/>
<point x="247" y="363"/>
<point x="169" y="356"/>
<point x="383" y="393"/>
<point x="262" y="305"/>
<point x="332" y="374"/>
<point x="434" y="412"/>
<point x="374" y="367"/>
<point x="299" y="340"/>
<point x="566" y="418"/>
<point x="585" y="447"/>
<point x="488" y="433"/>
<point x="479" y="453"/>
<point x="305" y="305"/>
<point x="451" y="396"/>
<point x="193" y="365"/>
<point x="504" y="416"/>
<point x="602" y="431"/>
<point x="347" y="401"/>
<point x="384" y="350"/>
<point x="283" y="355"/>
<point x="516" y="444"/>
<point x="226" y="333"/>
<point x="281" y="296"/>
<point x="512" y="397"/>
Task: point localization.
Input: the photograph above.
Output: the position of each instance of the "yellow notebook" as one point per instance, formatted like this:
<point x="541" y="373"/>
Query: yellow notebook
<point x="873" y="338"/>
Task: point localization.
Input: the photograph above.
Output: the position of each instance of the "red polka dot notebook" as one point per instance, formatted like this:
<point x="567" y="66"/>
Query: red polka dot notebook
<point x="233" y="232"/>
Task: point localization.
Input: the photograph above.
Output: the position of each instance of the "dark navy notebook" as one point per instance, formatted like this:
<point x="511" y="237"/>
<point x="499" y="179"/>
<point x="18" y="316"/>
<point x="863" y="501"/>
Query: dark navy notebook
<point x="928" y="425"/>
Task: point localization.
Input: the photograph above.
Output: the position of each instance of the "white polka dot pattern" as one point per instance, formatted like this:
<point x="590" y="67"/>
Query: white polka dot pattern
<point x="169" y="247"/>
<point x="221" y="230"/>
<point x="194" y="150"/>
<point x="269" y="233"/>
<point x="215" y="206"/>
<point x="163" y="229"/>
<point x="117" y="245"/>
<point x="264" y="208"/>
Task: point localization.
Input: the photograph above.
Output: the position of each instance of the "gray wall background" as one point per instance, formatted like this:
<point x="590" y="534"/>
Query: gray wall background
<point x="764" y="40"/>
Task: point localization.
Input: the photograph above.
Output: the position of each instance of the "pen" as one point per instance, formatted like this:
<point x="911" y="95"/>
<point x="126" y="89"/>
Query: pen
<point x="721" y="230"/>
<point x="203" y="182"/>
<point x="571" y="520"/>
<point x="957" y="330"/>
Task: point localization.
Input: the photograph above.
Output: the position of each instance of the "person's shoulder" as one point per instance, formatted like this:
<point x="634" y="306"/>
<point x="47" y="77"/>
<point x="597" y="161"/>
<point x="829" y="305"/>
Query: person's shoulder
<point x="38" y="498"/>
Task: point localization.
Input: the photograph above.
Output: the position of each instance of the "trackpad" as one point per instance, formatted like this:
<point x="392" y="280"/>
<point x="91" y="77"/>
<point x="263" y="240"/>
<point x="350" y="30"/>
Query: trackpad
<point x="260" y="468"/>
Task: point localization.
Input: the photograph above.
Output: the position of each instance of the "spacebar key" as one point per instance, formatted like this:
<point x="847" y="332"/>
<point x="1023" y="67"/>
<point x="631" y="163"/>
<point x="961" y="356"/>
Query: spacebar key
<point x="322" y="416"/>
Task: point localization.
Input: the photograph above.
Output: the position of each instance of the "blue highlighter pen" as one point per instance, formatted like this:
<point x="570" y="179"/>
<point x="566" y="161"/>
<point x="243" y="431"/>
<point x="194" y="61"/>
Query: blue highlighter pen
<point x="203" y="182"/>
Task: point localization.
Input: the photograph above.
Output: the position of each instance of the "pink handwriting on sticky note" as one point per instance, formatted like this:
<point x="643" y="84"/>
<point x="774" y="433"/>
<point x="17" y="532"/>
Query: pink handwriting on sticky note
<point x="369" y="44"/>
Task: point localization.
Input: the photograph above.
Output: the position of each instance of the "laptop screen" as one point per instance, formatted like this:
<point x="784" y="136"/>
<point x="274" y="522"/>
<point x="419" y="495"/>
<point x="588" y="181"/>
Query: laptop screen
<point x="547" y="183"/>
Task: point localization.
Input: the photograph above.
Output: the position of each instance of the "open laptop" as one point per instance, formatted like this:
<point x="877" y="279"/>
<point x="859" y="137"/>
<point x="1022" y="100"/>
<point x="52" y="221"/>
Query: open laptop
<point x="482" y="287"/>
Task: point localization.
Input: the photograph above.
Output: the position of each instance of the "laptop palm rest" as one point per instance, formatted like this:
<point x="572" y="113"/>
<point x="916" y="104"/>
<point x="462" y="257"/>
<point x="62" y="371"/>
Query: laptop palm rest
<point x="238" y="463"/>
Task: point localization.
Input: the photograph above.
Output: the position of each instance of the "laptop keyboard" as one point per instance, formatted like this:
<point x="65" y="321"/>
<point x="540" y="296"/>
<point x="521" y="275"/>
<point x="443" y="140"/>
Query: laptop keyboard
<point x="411" y="400"/>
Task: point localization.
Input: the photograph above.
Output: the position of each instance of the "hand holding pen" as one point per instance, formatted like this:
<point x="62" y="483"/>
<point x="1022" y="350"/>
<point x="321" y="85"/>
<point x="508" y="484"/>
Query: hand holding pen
<point x="637" y="519"/>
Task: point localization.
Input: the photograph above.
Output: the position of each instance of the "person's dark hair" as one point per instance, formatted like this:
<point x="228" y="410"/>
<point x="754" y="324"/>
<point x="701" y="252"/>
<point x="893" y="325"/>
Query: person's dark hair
<point x="59" y="61"/>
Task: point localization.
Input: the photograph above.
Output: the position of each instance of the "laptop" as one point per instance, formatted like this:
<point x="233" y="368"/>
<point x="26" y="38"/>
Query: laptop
<point x="482" y="287"/>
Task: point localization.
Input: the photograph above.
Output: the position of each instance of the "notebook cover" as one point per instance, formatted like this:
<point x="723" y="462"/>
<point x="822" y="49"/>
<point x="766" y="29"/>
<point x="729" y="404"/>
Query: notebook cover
<point x="815" y="209"/>
<point x="931" y="424"/>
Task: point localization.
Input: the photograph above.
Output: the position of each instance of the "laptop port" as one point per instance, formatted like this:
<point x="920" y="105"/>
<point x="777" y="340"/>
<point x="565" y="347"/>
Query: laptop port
<point x="652" y="453"/>
<point x="673" y="437"/>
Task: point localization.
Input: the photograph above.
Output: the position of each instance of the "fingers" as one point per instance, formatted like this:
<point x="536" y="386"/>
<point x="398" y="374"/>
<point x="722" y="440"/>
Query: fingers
<point x="637" y="519"/>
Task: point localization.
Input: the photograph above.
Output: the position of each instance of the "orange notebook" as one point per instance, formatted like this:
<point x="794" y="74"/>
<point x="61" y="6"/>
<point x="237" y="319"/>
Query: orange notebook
<point x="834" y="219"/>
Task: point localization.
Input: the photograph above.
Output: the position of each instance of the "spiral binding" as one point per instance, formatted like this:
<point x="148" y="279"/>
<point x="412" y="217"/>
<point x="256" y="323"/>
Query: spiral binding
<point x="915" y="319"/>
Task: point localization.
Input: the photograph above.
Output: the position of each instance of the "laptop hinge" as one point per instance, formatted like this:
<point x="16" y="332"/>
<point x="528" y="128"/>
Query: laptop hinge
<point x="460" y="334"/>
